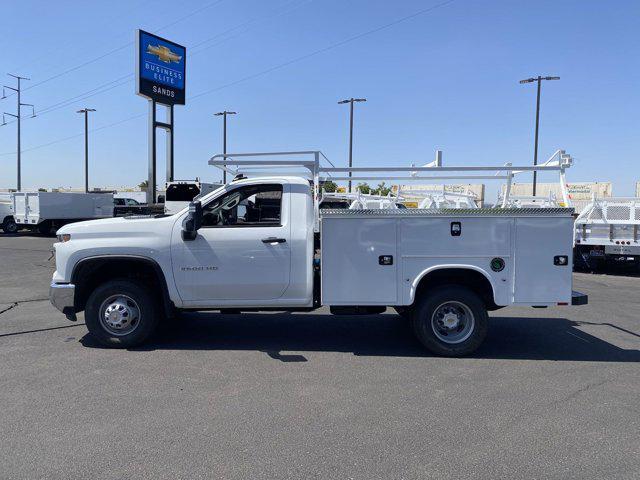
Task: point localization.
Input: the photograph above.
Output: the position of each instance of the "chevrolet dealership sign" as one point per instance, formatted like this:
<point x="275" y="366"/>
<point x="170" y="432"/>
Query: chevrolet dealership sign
<point x="160" y="69"/>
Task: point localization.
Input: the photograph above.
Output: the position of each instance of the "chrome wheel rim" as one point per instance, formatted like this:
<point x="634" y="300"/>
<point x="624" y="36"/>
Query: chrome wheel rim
<point x="119" y="315"/>
<point x="452" y="322"/>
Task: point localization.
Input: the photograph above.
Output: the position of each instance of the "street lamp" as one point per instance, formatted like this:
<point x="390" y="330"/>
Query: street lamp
<point x="224" y="138"/>
<point x="86" y="146"/>
<point x="351" y="101"/>
<point x="535" y="151"/>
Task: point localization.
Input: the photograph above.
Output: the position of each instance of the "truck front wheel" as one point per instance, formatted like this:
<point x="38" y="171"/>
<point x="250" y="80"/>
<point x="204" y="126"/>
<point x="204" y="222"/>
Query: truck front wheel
<point x="451" y="321"/>
<point x="121" y="313"/>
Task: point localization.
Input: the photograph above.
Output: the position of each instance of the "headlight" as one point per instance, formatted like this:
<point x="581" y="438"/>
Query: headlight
<point x="65" y="237"/>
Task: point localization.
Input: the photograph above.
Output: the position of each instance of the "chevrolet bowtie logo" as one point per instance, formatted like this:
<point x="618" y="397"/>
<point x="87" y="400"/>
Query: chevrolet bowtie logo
<point x="163" y="53"/>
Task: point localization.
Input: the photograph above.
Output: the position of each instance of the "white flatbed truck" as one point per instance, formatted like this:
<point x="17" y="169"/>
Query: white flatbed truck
<point x="263" y="244"/>
<point x="608" y="230"/>
<point x="7" y="221"/>
<point x="47" y="211"/>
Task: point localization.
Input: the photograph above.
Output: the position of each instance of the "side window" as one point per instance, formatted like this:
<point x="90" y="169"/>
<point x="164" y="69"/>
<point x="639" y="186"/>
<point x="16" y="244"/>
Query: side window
<point x="253" y="205"/>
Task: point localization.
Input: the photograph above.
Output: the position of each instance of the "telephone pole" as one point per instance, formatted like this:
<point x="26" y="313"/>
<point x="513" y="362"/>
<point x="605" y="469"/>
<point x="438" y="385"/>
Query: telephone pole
<point x="351" y="101"/>
<point x="535" y="148"/>
<point x="224" y="138"/>
<point x="86" y="146"/>
<point x="18" y="117"/>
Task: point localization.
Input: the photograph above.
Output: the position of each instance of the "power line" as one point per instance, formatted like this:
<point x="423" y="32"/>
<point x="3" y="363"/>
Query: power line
<point x="122" y="47"/>
<point x="71" y="137"/>
<point x="248" y="22"/>
<point x="74" y="41"/>
<point x="118" y="82"/>
<point x="263" y="72"/>
<point x="83" y="96"/>
<point x="77" y="67"/>
<point x="325" y="49"/>
<point x="189" y="15"/>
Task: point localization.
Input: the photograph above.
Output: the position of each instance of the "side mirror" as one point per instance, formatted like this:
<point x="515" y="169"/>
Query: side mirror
<point x="193" y="222"/>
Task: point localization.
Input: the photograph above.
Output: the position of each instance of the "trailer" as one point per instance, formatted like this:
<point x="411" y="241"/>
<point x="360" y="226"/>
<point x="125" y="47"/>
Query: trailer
<point x="47" y="211"/>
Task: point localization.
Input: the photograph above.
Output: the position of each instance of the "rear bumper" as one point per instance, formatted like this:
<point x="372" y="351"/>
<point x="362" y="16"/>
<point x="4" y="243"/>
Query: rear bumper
<point x="62" y="296"/>
<point x="578" y="298"/>
<point x="622" y="249"/>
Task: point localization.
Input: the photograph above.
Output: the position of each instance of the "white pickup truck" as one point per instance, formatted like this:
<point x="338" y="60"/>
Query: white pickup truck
<point x="263" y="244"/>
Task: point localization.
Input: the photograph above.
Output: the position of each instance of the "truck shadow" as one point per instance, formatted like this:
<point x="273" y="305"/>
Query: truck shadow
<point x="276" y="334"/>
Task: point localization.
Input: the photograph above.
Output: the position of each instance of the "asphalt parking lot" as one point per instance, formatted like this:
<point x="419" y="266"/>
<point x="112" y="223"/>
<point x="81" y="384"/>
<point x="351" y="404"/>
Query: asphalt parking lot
<point x="553" y="393"/>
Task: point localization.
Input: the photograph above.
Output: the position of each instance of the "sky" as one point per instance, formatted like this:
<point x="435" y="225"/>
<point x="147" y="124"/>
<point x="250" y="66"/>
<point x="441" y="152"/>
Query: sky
<point x="436" y="75"/>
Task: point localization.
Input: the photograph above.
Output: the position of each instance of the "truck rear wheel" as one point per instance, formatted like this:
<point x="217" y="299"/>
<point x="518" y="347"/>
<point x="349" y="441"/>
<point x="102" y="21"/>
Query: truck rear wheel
<point x="121" y="313"/>
<point x="451" y="321"/>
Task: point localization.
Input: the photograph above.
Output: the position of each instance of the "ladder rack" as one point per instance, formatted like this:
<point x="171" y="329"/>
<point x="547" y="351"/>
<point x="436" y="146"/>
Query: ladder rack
<point x="259" y="163"/>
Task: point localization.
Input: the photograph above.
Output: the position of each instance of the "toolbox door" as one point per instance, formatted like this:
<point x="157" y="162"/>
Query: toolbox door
<point x="359" y="261"/>
<point x="543" y="260"/>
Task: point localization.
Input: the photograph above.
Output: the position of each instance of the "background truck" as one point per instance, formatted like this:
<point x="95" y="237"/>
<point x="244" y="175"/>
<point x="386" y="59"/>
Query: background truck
<point x="180" y="193"/>
<point x="7" y="222"/>
<point x="608" y="230"/>
<point x="263" y="244"/>
<point x="47" y="211"/>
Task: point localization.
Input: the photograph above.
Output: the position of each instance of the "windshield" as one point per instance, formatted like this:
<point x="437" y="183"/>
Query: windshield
<point x="181" y="192"/>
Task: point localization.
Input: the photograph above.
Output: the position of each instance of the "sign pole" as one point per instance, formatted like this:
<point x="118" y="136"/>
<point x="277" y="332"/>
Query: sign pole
<point x="169" y="131"/>
<point x="151" y="180"/>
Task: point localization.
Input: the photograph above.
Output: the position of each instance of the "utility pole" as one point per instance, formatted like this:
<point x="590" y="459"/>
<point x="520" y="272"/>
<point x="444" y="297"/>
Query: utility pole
<point x="224" y="137"/>
<point x="351" y="101"/>
<point x="18" y="117"/>
<point x="86" y="146"/>
<point x="535" y="148"/>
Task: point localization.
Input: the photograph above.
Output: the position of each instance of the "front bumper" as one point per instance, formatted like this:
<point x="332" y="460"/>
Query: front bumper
<point x="62" y="296"/>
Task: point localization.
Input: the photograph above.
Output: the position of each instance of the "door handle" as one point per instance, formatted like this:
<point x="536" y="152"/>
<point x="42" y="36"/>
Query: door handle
<point x="273" y="240"/>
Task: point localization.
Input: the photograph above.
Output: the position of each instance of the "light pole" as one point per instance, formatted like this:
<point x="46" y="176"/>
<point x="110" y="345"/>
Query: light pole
<point x="351" y="101"/>
<point x="18" y="117"/>
<point x="224" y="137"/>
<point x="86" y="146"/>
<point x="535" y="148"/>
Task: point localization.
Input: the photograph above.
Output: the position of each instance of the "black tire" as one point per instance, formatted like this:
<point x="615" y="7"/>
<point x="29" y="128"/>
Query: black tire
<point x="45" y="228"/>
<point x="144" y="303"/>
<point x="464" y="307"/>
<point x="9" y="226"/>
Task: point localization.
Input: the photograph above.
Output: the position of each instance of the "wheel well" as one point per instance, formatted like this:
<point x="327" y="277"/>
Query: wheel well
<point x="92" y="272"/>
<point x="466" y="277"/>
